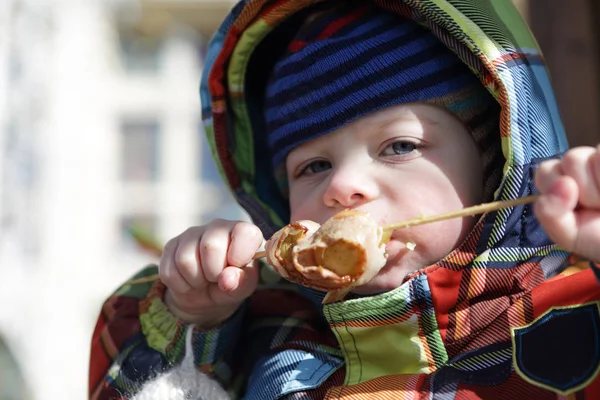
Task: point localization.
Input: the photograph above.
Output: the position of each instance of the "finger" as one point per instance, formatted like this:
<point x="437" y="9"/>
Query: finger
<point x="235" y="284"/>
<point x="594" y="171"/>
<point x="187" y="257"/>
<point x="595" y="165"/>
<point x="546" y="174"/>
<point x="167" y="269"/>
<point x="555" y="211"/>
<point x="213" y="248"/>
<point x="577" y="165"/>
<point x="246" y="238"/>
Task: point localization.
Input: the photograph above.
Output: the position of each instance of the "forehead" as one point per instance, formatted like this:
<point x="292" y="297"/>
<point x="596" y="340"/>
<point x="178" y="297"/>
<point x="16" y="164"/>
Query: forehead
<point x="426" y="114"/>
<point x="421" y="115"/>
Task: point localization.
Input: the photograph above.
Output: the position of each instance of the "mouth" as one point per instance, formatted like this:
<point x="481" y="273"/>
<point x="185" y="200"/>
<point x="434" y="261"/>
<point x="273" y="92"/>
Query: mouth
<point x="400" y="237"/>
<point x="395" y="249"/>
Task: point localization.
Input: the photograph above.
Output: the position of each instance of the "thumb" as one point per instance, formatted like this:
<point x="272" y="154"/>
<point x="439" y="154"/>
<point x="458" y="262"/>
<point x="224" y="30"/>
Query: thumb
<point x="235" y="284"/>
<point x="555" y="211"/>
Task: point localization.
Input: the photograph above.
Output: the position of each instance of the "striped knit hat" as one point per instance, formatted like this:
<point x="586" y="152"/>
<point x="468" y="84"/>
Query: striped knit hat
<point x="349" y="60"/>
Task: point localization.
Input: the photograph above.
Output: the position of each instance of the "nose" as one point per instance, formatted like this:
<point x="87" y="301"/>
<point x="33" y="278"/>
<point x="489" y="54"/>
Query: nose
<point x="350" y="188"/>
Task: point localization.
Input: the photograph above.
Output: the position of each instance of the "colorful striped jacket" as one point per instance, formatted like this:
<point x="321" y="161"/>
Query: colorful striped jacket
<point x="501" y="317"/>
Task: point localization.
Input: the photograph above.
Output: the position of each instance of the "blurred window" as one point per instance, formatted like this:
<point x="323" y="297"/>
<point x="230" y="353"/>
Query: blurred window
<point x="139" y="154"/>
<point x="140" y="53"/>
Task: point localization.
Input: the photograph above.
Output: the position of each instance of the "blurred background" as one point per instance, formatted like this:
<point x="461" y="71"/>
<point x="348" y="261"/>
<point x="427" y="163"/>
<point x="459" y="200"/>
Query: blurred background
<point x="101" y="133"/>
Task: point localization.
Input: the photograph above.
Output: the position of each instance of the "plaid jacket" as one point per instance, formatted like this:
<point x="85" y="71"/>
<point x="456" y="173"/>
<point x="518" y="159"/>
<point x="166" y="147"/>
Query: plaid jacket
<point x="501" y="317"/>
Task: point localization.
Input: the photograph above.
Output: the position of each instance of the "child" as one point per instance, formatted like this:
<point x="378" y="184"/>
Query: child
<point x="397" y="109"/>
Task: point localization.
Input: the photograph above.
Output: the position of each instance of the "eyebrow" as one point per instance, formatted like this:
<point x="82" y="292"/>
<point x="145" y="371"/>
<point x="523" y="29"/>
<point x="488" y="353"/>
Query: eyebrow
<point x="420" y="118"/>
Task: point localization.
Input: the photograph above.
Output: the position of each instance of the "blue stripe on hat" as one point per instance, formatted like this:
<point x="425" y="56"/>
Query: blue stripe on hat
<point x="380" y="68"/>
<point x="354" y="33"/>
<point x="368" y="54"/>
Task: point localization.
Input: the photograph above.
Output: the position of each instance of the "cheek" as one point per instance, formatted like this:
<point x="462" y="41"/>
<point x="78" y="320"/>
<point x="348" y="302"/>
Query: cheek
<point x="469" y="186"/>
<point x="466" y="175"/>
<point x="435" y="241"/>
<point x="437" y="234"/>
<point x="300" y="205"/>
<point x="424" y="196"/>
<point x="443" y="186"/>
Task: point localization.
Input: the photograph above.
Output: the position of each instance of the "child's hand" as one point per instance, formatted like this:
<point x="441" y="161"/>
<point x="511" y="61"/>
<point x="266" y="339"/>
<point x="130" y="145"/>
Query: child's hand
<point x="208" y="270"/>
<point x="569" y="208"/>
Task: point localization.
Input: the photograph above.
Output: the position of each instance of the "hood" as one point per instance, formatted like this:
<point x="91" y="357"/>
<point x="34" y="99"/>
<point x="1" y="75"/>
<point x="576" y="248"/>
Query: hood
<point x="487" y="35"/>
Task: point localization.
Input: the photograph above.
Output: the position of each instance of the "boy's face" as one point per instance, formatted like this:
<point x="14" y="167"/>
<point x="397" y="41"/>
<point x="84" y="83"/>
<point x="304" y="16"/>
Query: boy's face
<point x="398" y="163"/>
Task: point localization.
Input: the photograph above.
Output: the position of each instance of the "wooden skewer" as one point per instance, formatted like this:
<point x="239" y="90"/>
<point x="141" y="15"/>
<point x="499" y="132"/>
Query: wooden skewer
<point x="259" y="254"/>
<point x="465" y="212"/>
<point x="388" y="229"/>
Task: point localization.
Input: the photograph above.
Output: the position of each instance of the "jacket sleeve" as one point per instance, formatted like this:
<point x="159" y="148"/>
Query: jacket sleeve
<point x="136" y="337"/>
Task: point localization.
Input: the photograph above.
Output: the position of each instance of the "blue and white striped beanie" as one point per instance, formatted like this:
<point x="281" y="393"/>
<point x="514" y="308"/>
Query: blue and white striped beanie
<point x="349" y="60"/>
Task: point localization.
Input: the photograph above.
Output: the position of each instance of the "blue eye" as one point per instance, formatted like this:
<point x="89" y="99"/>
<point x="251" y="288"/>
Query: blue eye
<point x="399" y="148"/>
<point x="316" y="167"/>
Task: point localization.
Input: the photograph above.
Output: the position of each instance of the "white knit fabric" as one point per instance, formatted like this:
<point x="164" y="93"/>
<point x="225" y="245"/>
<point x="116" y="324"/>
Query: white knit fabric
<point x="183" y="382"/>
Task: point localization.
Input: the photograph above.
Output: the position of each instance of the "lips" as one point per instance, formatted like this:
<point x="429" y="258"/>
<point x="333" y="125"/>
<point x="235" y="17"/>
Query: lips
<point x="396" y="249"/>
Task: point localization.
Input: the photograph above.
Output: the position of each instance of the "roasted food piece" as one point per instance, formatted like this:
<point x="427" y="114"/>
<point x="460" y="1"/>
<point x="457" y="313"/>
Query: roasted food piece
<point x="346" y="251"/>
<point x="280" y="246"/>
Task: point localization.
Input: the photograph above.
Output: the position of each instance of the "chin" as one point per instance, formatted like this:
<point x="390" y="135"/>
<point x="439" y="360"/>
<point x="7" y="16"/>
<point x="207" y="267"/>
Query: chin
<point x="389" y="278"/>
<point x="400" y="263"/>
